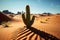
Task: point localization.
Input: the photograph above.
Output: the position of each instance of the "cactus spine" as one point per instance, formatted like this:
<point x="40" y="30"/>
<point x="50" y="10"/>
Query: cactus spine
<point x="26" y="18"/>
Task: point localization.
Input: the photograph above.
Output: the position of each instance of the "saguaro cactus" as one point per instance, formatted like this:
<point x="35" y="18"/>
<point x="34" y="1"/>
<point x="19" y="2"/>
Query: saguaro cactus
<point x="26" y="18"/>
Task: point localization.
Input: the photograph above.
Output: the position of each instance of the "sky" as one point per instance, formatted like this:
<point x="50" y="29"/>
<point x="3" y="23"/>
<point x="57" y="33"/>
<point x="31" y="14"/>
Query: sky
<point x="36" y="6"/>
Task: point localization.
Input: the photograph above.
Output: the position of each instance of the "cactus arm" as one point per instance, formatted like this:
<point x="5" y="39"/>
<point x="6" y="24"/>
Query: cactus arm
<point x="32" y="20"/>
<point x="24" y="20"/>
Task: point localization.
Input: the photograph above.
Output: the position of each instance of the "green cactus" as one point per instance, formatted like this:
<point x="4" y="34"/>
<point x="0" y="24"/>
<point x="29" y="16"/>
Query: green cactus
<point x="26" y="18"/>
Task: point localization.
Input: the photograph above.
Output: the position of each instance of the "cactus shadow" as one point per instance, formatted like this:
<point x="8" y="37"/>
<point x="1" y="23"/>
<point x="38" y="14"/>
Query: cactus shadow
<point x="43" y="34"/>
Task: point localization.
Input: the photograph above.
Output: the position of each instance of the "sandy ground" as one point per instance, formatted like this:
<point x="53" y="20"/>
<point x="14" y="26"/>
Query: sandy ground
<point x="49" y="24"/>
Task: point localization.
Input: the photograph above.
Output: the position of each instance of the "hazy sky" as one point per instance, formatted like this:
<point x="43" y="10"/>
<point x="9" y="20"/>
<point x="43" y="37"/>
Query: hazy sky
<point x="36" y="6"/>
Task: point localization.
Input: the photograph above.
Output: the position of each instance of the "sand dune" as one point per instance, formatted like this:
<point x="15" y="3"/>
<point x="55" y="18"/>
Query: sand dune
<point x="49" y="24"/>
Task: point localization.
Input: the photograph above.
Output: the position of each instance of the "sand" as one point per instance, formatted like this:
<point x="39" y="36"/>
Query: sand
<point x="49" y="24"/>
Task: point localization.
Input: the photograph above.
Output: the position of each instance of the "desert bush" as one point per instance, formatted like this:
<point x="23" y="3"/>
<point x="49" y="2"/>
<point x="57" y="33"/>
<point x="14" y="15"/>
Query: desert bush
<point x="5" y="24"/>
<point x="11" y="15"/>
<point x="42" y="22"/>
<point x="46" y="20"/>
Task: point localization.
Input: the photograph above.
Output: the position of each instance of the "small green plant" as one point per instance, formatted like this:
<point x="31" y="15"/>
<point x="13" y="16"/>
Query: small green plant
<point x="26" y="18"/>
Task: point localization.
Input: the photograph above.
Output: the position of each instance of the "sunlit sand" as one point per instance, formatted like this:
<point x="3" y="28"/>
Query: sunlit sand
<point x="49" y="24"/>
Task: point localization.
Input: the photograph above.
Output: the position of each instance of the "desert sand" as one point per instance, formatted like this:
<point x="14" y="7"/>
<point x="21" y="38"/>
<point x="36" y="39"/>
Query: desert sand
<point x="48" y="24"/>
